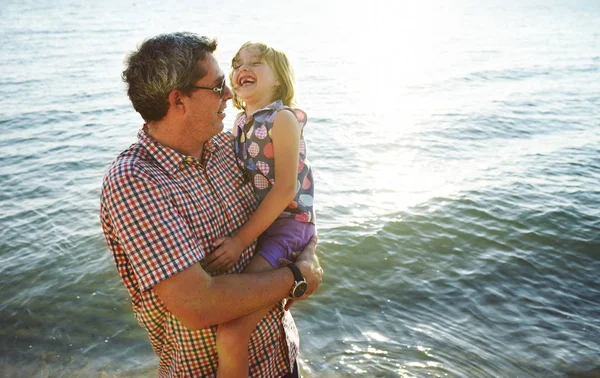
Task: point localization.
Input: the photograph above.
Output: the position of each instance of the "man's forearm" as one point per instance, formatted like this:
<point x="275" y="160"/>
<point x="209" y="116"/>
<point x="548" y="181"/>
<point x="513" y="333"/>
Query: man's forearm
<point x="236" y="295"/>
<point x="200" y="301"/>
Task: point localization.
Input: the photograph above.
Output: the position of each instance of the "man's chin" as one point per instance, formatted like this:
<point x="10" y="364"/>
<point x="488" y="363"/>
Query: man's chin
<point x="218" y="128"/>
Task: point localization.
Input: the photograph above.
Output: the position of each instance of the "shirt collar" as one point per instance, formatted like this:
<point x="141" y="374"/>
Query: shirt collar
<point x="275" y="105"/>
<point x="171" y="160"/>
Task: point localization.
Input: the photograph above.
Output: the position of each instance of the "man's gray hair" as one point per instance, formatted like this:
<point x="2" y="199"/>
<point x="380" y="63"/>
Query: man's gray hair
<point x="162" y="64"/>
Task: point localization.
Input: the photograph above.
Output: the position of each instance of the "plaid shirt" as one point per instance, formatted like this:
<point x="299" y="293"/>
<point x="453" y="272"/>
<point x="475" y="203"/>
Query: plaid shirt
<point x="160" y="213"/>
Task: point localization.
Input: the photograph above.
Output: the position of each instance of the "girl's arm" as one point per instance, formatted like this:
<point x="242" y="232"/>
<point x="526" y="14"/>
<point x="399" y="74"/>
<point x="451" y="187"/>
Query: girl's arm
<point x="286" y="143"/>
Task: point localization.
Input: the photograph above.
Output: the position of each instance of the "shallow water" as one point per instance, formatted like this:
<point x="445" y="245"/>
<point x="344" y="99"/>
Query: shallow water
<point x="457" y="159"/>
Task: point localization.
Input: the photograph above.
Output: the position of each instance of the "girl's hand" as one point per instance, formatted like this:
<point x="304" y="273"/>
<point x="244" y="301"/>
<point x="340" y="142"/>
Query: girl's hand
<point x="228" y="253"/>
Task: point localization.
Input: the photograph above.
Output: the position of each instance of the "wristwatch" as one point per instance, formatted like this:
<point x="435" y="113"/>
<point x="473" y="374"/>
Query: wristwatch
<point x="300" y="285"/>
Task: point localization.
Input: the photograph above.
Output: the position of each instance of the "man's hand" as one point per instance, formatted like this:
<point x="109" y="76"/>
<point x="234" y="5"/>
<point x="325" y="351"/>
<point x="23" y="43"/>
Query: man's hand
<point x="226" y="255"/>
<point x="308" y="263"/>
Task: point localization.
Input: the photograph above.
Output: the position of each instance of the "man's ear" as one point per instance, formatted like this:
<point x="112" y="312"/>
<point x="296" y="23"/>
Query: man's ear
<point x="175" y="101"/>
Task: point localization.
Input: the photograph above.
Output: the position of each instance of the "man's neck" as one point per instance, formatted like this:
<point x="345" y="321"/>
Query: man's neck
<point x="170" y="136"/>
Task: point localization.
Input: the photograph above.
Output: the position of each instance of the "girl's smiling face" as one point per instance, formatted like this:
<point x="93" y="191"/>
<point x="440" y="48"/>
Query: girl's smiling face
<point x="253" y="79"/>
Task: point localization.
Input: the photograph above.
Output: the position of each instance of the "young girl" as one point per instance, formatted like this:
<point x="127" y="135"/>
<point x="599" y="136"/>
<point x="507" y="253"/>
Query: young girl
<point x="271" y="150"/>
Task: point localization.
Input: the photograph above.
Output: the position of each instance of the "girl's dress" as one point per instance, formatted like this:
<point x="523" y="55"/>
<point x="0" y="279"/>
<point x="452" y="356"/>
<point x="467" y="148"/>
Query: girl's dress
<point x="253" y="146"/>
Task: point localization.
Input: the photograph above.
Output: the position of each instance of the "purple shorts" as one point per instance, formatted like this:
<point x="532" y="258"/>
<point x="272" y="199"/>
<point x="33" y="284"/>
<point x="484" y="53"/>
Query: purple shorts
<point x="284" y="236"/>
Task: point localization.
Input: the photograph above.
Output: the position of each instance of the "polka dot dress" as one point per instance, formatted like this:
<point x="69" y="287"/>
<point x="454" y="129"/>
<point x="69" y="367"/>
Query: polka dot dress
<point x="254" y="148"/>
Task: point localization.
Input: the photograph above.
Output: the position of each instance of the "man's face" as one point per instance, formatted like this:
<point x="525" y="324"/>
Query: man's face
<point x="205" y="108"/>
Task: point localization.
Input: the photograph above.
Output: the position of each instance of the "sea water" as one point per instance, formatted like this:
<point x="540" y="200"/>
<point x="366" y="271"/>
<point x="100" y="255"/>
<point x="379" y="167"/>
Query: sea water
<point x="456" y="150"/>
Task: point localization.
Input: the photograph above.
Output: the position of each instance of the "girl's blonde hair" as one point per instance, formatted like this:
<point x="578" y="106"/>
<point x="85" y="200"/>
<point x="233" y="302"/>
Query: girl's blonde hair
<point x="281" y="67"/>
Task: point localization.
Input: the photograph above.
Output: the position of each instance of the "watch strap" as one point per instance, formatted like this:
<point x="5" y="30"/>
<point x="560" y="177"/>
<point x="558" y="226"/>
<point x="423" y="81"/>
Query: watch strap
<point x="297" y="273"/>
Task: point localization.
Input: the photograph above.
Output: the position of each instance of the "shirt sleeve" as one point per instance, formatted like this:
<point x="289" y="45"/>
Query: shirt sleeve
<point x="157" y="240"/>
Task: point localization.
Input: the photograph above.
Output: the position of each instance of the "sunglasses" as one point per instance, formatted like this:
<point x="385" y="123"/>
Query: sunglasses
<point x="220" y="90"/>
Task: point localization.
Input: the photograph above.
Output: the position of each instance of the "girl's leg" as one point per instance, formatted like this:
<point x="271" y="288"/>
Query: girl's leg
<point x="233" y="337"/>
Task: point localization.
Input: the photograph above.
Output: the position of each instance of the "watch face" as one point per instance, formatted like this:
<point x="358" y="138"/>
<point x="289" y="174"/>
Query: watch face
<point x="300" y="289"/>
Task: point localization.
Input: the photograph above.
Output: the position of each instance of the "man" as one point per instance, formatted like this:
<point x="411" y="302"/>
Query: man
<point x="169" y="196"/>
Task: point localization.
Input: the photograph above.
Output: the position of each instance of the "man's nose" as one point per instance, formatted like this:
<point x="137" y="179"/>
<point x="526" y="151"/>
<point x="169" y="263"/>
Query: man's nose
<point x="228" y="95"/>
